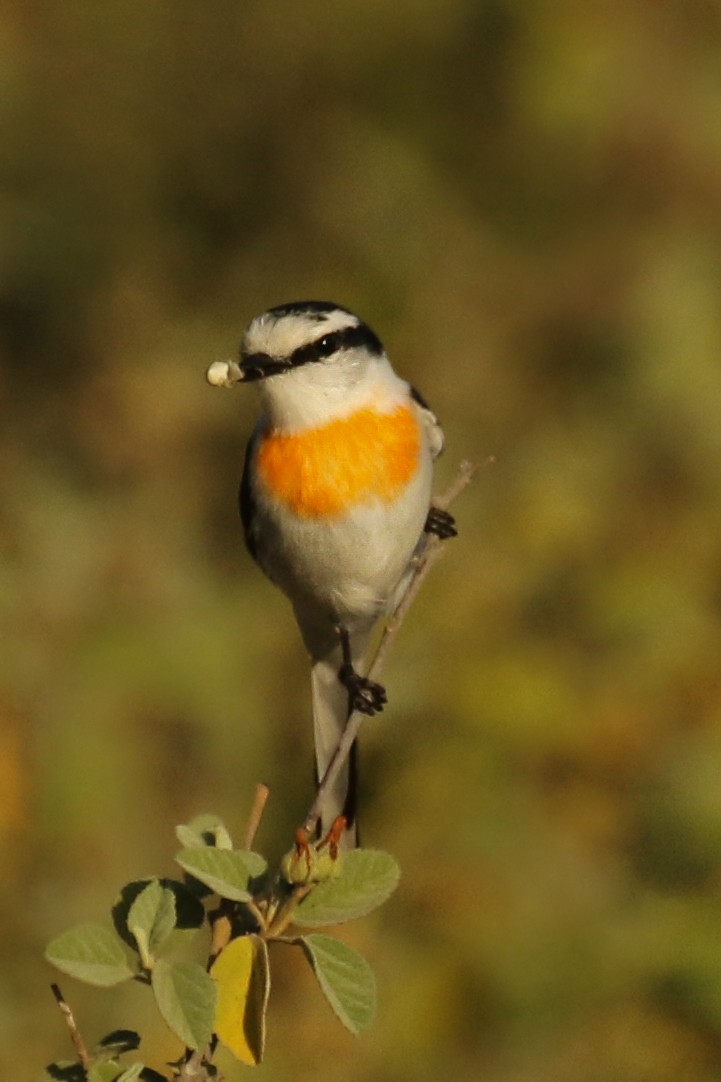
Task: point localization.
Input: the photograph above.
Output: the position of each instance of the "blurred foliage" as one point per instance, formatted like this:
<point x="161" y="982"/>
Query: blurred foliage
<point x="524" y="198"/>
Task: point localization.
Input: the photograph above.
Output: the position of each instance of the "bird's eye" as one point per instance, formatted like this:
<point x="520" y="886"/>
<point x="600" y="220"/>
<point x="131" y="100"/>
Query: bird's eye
<point x="325" y="346"/>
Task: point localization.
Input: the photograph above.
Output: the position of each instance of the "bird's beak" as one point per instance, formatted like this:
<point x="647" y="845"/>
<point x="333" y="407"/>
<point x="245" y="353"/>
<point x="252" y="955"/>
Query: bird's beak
<point x="254" y="366"/>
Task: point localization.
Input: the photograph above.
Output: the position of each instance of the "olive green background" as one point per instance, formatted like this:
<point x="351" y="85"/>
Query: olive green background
<point x="524" y="200"/>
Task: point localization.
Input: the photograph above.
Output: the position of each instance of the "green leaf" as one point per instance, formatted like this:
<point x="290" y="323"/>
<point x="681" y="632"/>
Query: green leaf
<point x="189" y="911"/>
<point x="108" y="1071"/>
<point x="151" y="919"/>
<point x="204" y="830"/>
<point x="133" y="1072"/>
<point x="186" y="996"/>
<point x="367" y="878"/>
<point x="177" y="941"/>
<point x="226" y="871"/>
<point x="92" y="954"/>
<point x="345" y="977"/>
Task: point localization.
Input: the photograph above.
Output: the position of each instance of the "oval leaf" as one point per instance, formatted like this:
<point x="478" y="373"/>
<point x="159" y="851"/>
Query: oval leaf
<point x="243" y="978"/>
<point x="151" y="919"/>
<point x="345" y="977"/>
<point x="204" y="830"/>
<point x="133" y="1072"/>
<point x="92" y="954"/>
<point x="105" y="1072"/>
<point x="368" y="877"/>
<point x="189" y="911"/>
<point x="225" y="871"/>
<point x="186" y="996"/>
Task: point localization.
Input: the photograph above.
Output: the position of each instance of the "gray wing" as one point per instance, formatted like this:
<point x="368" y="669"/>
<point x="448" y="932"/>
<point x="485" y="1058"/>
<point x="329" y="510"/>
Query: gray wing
<point x="436" y="439"/>
<point x="246" y="501"/>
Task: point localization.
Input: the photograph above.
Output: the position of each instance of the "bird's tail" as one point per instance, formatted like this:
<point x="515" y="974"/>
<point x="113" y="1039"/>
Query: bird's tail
<point x="330" y="714"/>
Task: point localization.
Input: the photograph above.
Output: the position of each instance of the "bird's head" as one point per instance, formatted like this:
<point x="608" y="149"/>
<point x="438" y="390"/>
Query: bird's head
<point x="310" y="359"/>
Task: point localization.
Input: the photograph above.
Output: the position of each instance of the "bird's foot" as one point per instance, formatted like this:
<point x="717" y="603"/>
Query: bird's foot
<point x="364" y="695"/>
<point x="441" y="523"/>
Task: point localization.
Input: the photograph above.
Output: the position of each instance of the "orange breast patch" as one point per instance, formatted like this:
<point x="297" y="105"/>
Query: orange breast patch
<point x="321" y="472"/>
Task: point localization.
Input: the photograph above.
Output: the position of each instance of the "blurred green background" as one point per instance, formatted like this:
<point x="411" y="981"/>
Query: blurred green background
<point x="523" y="197"/>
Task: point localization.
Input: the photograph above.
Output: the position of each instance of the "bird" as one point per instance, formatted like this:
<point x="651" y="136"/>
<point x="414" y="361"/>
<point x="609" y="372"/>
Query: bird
<point x="335" y="499"/>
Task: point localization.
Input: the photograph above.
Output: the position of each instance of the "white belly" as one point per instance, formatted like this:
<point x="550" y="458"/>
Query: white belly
<point x="349" y="566"/>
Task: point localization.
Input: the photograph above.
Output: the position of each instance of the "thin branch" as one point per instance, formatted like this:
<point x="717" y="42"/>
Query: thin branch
<point x="262" y="793"/>
<point x="430" y="551"/>
<point x="75" y="1036"/>
<point x="284" y="915"/>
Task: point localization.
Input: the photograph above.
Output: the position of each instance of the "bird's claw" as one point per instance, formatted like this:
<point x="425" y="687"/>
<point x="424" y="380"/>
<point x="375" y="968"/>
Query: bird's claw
<point x="441" y="523"/>
<point x="364" y="695"/>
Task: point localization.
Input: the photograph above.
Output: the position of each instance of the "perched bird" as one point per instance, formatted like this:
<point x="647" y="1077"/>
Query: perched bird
<point x="334" y="499"/>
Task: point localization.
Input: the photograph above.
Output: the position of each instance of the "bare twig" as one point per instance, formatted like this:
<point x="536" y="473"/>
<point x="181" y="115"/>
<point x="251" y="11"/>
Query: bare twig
<point x="256" y="813"/>
<point x="75" y="1036"/>
<point x="429" y="553"/>
<point x="284" y="915"/>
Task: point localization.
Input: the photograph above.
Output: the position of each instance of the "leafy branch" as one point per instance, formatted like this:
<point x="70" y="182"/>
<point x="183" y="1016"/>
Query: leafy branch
<point x="245" y="910"/>
<point x="218" y="992"/>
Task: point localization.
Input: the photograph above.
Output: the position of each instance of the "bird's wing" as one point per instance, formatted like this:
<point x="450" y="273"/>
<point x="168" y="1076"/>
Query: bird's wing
<point x="434" y="432"/>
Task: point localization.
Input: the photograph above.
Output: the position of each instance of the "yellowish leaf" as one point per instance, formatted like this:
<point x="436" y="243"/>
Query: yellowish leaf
<point x="243" y="979"/>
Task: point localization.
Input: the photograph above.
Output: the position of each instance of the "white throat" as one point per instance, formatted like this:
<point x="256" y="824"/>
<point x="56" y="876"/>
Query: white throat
<point x="316" y="394"/>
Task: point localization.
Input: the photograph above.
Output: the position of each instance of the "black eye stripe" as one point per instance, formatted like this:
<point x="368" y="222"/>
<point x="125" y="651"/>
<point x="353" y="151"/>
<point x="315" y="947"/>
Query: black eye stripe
<point x="259" y="365"/>
<point x="328" y="344"/>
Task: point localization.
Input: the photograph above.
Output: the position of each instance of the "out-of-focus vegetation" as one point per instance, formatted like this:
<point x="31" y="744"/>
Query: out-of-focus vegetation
<point x="525" y="200"/>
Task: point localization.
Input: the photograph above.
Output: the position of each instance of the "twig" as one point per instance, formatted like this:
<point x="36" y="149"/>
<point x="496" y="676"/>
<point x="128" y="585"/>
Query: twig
<point x="284" y="915"/>
<point x="75" y="1036"/>
<point x="262" y="793"/>
<point x="429" y="553"/>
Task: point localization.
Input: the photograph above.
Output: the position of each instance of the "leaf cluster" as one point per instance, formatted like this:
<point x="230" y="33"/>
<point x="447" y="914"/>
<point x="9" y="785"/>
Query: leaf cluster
<point x="244" y="909"/>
